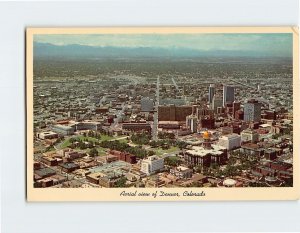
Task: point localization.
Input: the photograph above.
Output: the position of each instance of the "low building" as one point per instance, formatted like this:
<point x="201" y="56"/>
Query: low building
<point x="152" y="164"/>
<point x="47" y="135"/>
<point x="249" y="135"/>
<point x="168" y="125"/>
<point x="230" y="141"/>
<point x="124" y="156"/>
<point x="63" y="129"/>
<point x="252" y="149"/>
<point x="69" y="167"/>
<point x="182" y="172"/>
<point x="94" y="177"/>
<point x="43" y="173"/>
<point x="88" y="125"/>
<point x="50" y="161"/>
<point x="137" y="126"/>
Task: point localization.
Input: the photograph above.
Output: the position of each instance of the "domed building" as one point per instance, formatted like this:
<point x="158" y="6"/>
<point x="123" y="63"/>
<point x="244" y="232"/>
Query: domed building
<point x="206" y="154"/>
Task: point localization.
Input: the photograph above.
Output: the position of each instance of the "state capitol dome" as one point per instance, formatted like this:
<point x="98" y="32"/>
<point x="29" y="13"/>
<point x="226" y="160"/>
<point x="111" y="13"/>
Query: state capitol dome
<point x="206" y="135"/>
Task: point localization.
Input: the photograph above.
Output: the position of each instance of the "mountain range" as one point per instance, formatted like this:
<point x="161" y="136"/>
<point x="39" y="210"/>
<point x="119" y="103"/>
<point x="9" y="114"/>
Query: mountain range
<point x="47" y="50"/>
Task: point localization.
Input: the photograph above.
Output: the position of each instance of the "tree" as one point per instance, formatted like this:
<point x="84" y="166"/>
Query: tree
<point x="121" y="183"/>
<point x="172" y="161"/>
<point x="151" y="152"/>
<point x="93" y="152"/>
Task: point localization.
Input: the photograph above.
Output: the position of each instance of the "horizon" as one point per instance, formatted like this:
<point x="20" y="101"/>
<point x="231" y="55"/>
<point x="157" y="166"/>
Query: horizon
<point x="262" y="44"/>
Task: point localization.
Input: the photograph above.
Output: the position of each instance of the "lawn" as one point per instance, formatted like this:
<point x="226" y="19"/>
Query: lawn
<point x="101" y="151"/>
<point x="67" y="142"/>
<point x="160" y="151"/>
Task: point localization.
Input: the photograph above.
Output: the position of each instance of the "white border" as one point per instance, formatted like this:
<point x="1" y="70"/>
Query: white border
<point x="21" y="217"/>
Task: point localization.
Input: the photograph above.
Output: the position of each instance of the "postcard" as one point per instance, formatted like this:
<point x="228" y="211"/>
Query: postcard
<point x="162" y="113"/>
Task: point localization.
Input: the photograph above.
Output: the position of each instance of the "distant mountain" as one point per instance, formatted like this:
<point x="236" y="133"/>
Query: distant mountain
<point x="47" y="50"/>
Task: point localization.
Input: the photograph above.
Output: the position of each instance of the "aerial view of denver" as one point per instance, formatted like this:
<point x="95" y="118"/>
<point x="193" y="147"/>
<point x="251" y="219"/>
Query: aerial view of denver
<point x="163" y="110"/>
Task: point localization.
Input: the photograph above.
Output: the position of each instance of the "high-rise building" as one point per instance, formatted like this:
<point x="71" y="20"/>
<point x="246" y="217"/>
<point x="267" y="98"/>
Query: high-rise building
<point x="228" y="94"/>
<point x="252" y="111"/>
<point x="216" y="103"/>
<point x="147" y="104"/>
<point x="192" y="123"/>
<point x="174" y="113"/>
<point x="236" y="106"/>
<point x="211" y="93"/>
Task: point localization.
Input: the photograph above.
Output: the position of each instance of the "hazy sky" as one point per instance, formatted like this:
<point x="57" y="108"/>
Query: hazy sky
<point x="279" y="44"/>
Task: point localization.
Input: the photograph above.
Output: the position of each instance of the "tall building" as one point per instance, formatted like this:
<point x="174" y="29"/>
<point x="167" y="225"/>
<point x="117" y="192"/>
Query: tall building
<point x="236" y="106"/>
<point x="174" y="113"/>
<point x="228" y="94"/>
<point x="211" y="93"/>
<point x="147" y="104"/>
<point x="152" y="164"/>
<point x="252" y="111"/>
<point x="192" y="122"/>
<point x="216" y="103"/>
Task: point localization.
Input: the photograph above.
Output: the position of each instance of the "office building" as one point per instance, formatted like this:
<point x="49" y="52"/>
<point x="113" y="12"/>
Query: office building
<point x="152" y="164"/>
<point x="235" y="107"/>
<point x="230" y="141"/>
<point x="249" y="135"/>
<point x="228" y="94"/>
<point x="211" y="93"/>
<point x="192" y="123"/>
<point x="252" y="111"/>
<point x="217" y="102"/>
<point x="174" y="113"/>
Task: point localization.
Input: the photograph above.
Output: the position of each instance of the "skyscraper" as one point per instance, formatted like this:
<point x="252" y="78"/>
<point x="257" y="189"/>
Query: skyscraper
<point x="192" y="123"/>
<point x="228" y="94"/>
<point x="236" y="106"/>
<point x="211" y="93"/>
<point x="216" y="103"/>
<point x="252" y="111"/>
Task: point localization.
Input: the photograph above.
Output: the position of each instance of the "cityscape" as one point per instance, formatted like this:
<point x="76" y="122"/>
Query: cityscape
<point x="162" y="116"/>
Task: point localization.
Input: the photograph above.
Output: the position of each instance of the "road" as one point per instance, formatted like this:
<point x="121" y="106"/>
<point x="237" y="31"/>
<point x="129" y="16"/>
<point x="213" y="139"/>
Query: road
<point x="119" y="114"/>
<point x="175" y="84"/>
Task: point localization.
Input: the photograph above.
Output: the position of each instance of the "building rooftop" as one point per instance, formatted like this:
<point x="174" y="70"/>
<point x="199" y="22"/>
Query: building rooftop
<point x="201" y="151"/>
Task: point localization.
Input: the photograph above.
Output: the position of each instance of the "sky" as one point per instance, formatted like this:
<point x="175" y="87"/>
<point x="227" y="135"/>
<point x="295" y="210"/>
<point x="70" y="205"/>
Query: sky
<point x="277" y="44"/>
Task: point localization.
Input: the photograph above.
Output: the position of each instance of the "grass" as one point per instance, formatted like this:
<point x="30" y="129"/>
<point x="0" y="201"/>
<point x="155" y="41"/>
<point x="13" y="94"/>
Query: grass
<point x="67" y="143"/>
<point x="160" y="151"/>
<point x="101" y="151"/>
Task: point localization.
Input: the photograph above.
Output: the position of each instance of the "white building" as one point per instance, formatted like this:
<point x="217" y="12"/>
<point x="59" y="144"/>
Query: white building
<point x="182" y="172"/>
<point x="47" y="135"/>
<point x="191" y="123"/>
<point x="249" y="135"/>
<point x="152" y="164"/>
<point x="230" y="141"/>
